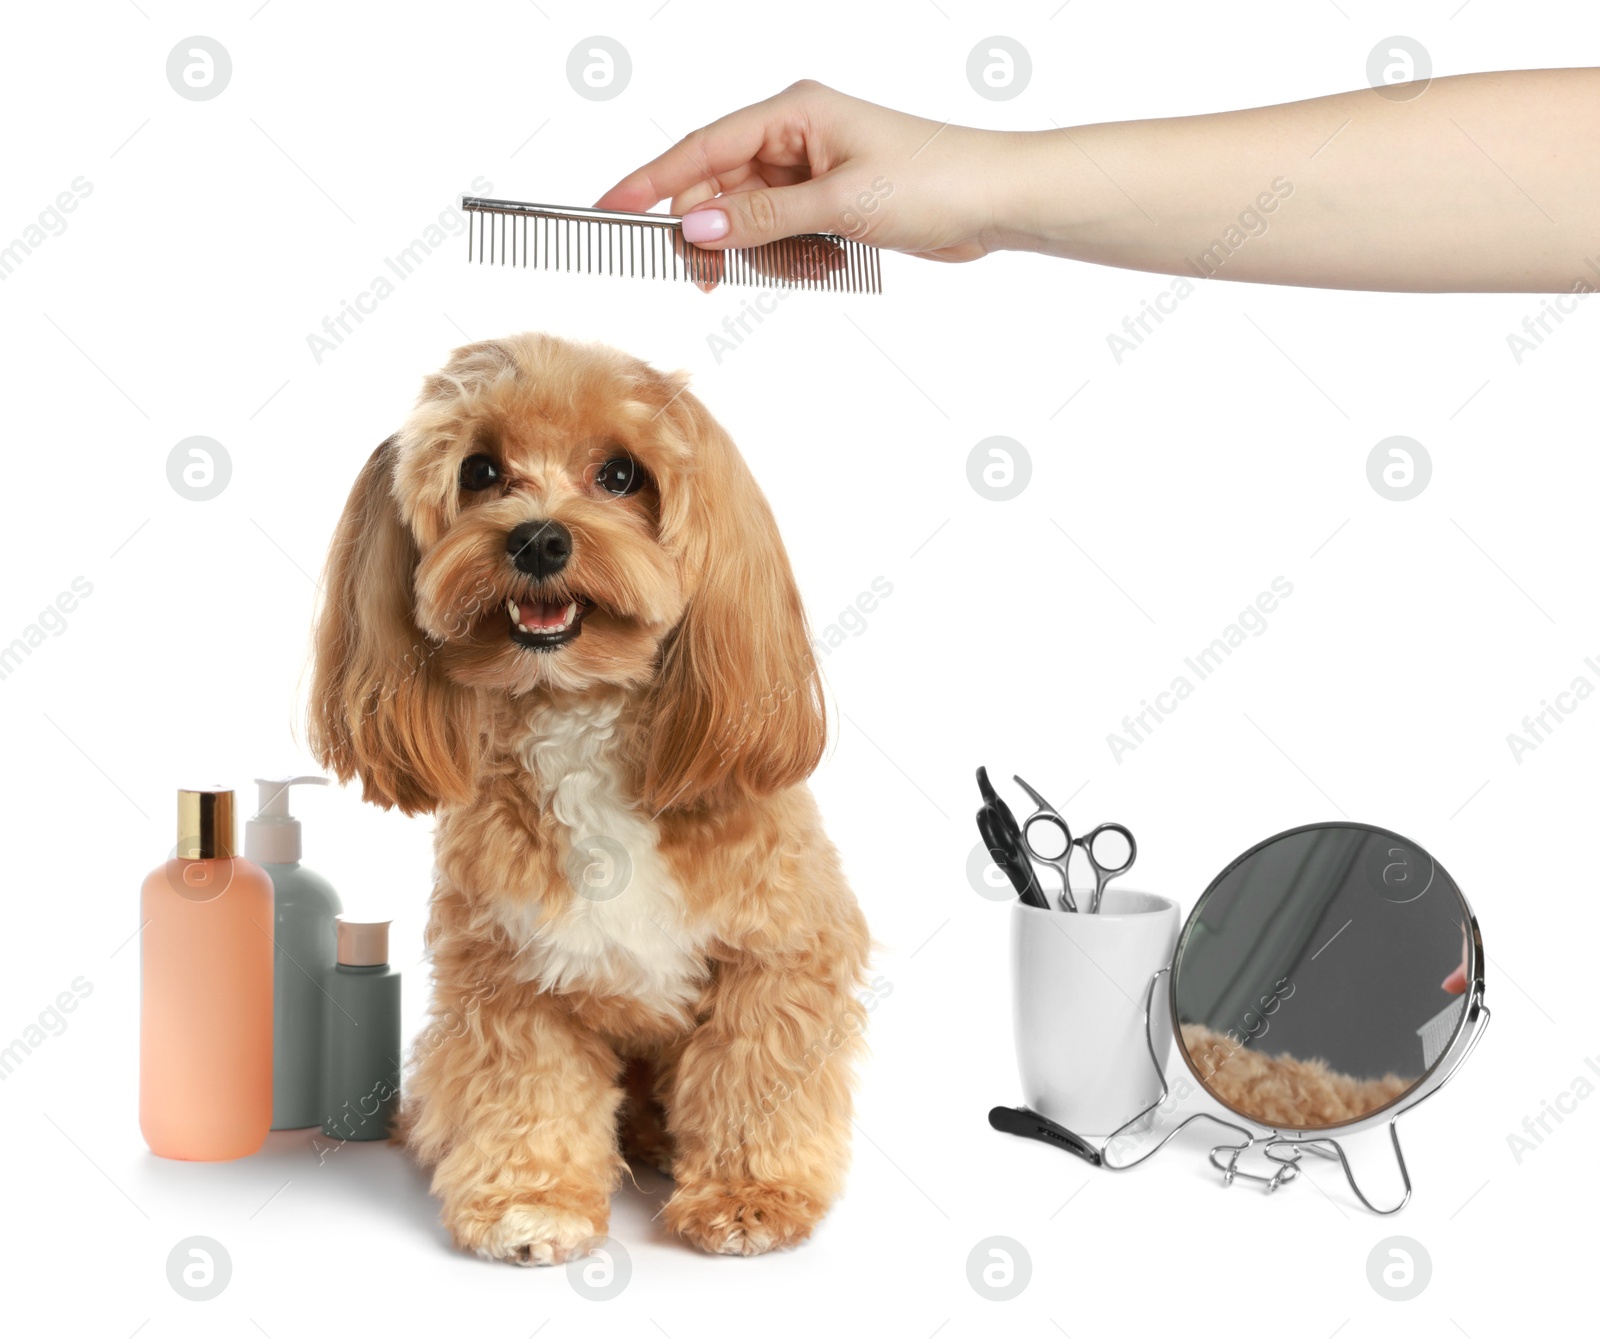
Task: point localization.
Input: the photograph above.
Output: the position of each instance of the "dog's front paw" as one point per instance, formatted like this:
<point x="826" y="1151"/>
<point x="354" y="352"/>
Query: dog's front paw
<point x="742" y="1217"/>
<point x="526" y="1234"/>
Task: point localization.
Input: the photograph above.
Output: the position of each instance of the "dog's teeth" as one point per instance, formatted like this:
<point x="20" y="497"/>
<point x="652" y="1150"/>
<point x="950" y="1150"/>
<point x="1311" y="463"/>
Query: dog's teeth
<point x="569" y="617"/>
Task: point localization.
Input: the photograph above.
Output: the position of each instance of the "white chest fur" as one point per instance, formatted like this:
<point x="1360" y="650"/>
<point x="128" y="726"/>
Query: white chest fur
<point x="623" y="931"/>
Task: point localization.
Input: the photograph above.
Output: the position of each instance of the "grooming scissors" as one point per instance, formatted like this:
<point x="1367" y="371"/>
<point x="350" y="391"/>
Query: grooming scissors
<point x="1103" y="874"/>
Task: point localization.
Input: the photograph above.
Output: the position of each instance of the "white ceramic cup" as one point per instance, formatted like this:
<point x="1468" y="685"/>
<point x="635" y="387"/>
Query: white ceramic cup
<point x="1078" y="986"/>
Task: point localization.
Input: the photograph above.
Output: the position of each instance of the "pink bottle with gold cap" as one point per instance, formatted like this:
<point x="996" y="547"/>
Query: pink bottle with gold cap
<point x="205" y="1024"/>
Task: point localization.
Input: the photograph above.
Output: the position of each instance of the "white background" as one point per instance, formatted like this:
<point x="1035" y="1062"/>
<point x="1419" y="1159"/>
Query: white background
<point x="1228" y="450"/>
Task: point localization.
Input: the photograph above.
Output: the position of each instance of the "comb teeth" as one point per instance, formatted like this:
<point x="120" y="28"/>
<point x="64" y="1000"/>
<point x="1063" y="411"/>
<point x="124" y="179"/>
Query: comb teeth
<point x="651" y="246"/>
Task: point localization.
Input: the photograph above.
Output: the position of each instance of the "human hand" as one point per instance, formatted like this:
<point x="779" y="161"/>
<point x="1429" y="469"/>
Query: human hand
<point x="813" y="160"/>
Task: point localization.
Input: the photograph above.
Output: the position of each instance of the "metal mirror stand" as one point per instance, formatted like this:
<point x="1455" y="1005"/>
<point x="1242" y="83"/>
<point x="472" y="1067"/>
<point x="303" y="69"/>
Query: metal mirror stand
<point x="1285" y="1149"/>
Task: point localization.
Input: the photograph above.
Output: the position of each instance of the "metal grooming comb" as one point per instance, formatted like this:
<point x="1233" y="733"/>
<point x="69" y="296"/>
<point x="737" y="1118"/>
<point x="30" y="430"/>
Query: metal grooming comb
<point x="651" y="246"/>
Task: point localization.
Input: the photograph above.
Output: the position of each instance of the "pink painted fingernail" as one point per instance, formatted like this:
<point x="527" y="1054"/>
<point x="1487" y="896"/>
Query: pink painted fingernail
<point x="705" y="225"/>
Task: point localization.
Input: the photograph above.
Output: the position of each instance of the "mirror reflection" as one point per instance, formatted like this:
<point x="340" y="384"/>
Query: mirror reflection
<point x="1321" y="976"/>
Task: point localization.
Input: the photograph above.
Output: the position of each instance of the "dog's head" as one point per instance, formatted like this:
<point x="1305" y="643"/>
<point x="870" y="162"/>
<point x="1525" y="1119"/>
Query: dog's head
<point x="561" y="517"/>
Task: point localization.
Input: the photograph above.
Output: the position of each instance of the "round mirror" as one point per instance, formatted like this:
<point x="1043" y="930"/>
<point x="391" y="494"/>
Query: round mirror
<point x="1324" y="975"/>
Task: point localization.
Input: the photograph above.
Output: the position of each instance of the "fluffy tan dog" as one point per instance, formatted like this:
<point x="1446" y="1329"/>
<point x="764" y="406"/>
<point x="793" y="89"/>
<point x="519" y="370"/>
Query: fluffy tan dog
<point x="559" y="615"/>
<point x="1281" y="1091"/>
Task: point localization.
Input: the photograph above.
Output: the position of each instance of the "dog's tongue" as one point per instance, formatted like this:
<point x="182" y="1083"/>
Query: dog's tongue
<point x="537" y="614"/>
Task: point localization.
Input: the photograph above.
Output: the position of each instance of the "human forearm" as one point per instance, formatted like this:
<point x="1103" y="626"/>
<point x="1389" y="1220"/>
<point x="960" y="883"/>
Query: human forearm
<point x="1488" y="181"/>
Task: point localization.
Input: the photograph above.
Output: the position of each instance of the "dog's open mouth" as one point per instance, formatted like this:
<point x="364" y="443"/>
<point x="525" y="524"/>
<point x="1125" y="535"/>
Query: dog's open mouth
<point x="544" y="625"/>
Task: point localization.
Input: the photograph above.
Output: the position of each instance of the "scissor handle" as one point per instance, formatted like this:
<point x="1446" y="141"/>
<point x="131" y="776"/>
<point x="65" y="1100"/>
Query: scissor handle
<point x="1105" y="872"/>
<point x="1045" y="813"/>
<point x="1060" y="862"/>
<point x="1060" y="825"/>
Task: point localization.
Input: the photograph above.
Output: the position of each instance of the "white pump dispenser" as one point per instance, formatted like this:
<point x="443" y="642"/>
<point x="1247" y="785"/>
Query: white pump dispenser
<point x="273" y="835"/>
<point x="304" y="907"/>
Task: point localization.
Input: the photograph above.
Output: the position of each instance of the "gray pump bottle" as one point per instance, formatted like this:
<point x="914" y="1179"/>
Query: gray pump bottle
<point x="305" y="906"/>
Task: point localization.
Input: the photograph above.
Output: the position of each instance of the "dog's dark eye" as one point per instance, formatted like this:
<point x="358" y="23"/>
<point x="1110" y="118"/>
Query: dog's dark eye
<point x="479" y="472"/>
<point x="621" y="476"/>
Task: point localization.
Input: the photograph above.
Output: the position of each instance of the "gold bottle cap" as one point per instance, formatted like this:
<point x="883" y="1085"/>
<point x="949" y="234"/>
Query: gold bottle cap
<point x="363" y="943"/>
<point x="205" y="825"/>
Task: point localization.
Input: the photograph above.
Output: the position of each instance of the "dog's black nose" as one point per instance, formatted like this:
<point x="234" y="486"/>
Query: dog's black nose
<point x="540" y="548"/>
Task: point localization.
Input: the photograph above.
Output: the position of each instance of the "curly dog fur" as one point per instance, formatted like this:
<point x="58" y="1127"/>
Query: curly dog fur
<point x="1281" y="1091"/>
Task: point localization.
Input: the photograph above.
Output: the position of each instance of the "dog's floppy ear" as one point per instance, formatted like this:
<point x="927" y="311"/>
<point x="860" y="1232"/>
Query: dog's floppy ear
<point x="381" y="707"/>
<point x="737" y="701"/>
